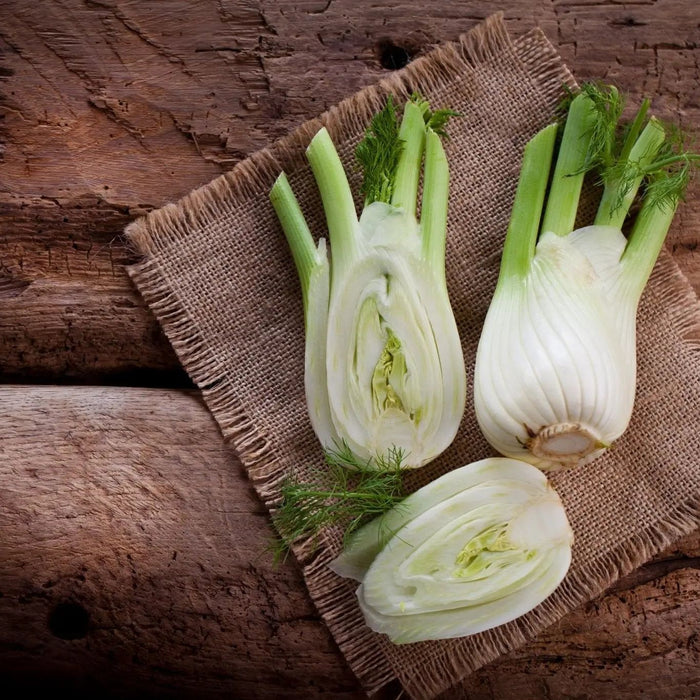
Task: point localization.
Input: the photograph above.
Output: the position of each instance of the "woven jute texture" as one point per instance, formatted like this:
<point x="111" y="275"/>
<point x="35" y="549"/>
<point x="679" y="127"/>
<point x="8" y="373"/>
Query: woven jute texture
<point x="217" y="273"/>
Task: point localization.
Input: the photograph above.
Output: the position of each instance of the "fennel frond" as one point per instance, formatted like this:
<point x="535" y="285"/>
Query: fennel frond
<point x="346" y="494"/>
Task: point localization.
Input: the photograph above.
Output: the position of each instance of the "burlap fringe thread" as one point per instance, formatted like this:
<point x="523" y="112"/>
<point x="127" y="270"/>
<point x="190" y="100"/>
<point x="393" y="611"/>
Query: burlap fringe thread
<point x="253" y="178"/>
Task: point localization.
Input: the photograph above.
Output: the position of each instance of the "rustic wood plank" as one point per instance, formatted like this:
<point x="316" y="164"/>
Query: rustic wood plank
<point x="134" y="561"/>
<point x="114" y="107"/>
<point x="135" y="557"/>
<point x="639" y="640"/>
<point x="67" y="308"/>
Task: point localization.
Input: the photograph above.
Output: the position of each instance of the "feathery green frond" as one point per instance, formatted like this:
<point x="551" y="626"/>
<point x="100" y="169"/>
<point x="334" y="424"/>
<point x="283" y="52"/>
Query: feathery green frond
<point x="347" y="493"/>
<point x="436" y="120"/>
<point x="607" y="110"/>
<point x="378" y="154"/>
<point x="664" y="175"/>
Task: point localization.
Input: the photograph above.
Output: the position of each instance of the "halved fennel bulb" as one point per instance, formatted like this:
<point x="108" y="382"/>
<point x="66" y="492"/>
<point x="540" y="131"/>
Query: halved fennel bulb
<point x="384" y="371"/>
<point x="473" y="549"/>
<point x="555" y="373"/>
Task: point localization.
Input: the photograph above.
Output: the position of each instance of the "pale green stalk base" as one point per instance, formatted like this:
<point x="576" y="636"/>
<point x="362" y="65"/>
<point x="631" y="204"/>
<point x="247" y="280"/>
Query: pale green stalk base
<point x="433" y="220"/>
<point x="645" y="243"/>
<point x="336" y="196"/>
<point x="412" y="133"/>
<point x="521" y="238"/>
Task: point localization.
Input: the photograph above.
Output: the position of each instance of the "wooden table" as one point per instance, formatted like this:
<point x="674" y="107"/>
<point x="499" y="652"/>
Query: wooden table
<point x="132" y="549"/>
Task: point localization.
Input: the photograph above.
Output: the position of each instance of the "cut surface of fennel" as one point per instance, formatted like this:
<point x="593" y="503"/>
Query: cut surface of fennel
<point x="383" y="360"/>
<point x="555" y="373"/>
<point x="392" y="347"/>
<point x="473" y="549"/>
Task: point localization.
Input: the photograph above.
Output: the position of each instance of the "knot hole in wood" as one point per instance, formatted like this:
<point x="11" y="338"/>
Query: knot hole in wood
<point x="392" y="56"/>
<point x="69" y="620"/>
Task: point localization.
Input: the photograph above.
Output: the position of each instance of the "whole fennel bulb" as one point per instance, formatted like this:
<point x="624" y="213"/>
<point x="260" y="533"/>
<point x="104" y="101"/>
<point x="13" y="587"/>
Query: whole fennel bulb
<point x="555" y="373"/>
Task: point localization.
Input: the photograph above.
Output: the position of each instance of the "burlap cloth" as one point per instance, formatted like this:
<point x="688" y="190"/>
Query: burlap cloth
<point x="218" y="275"/>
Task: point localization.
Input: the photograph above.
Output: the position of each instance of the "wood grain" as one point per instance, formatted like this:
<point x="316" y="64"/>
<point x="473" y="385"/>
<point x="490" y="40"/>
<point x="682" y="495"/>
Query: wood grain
<point x="638" y="641"/>
<point x="134" y="512"/>
<point x="115" y="107"/>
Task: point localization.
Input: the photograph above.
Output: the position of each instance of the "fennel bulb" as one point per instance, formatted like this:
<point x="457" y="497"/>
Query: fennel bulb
<point x="474" y="549"/>
<point x="555" y="371"/>
<point x="383" y="361"/>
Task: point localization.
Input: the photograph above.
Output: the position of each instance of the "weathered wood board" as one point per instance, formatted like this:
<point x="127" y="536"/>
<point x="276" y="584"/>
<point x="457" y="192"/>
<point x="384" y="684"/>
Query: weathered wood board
<point x="123" y="504"/>
<point x="135" y="554"/>
<point x="113" y="108"/>
<point x="135" y="560"/>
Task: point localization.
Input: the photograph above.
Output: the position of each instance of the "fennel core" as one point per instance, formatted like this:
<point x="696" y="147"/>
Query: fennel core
<point x="570" y="296"/>
<point x="383" y="359"/>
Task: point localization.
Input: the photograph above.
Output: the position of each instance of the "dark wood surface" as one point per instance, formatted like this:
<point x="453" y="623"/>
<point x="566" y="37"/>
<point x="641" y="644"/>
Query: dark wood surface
<point x="132" y="549"/>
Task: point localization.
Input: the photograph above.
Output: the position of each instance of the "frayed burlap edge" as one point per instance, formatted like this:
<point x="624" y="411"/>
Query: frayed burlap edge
<point x="252" y="179"/>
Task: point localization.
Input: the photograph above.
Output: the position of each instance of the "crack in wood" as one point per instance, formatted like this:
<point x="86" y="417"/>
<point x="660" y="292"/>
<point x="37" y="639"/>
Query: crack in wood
<point x="652" y="571"/>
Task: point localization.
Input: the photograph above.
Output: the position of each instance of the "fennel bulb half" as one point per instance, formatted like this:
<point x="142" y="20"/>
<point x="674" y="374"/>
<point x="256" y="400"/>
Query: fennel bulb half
<point x="383" y="361"/>
<point x="474" y="549"/>
<point x="555" y="371"/>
